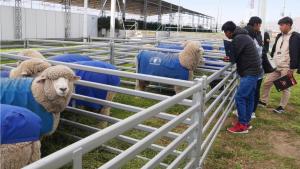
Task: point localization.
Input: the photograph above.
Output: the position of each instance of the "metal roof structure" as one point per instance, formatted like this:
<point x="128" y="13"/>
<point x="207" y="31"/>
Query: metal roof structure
<point x="136" y="7"/>
<point x="143" y="8"/>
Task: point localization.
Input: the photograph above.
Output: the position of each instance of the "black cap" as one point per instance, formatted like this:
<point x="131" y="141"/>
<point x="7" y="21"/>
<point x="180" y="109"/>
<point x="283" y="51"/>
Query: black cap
<point x="285" y="20"/>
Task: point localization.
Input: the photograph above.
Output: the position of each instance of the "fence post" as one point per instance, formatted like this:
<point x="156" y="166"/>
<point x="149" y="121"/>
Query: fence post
<point x="89" y="39"/>
<point x="26" y="43"/>
<point x="197" y="117"/>
<point x="77" y="159"/>
<point x="111" y="49"/>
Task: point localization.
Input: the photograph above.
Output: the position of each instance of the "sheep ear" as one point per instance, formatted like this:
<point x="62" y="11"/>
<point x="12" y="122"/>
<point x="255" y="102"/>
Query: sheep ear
<point x="24" y="73"/>
<point x="184" y="43"/>
<point x="75" y="78"/>
<point x="18" y="63"/>
<point x="41" y="79"/>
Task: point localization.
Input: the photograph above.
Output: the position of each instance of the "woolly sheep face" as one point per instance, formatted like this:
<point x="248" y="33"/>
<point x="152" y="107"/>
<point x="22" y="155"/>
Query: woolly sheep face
<point x="61" y="86"/>
<point x="57" y="82"/>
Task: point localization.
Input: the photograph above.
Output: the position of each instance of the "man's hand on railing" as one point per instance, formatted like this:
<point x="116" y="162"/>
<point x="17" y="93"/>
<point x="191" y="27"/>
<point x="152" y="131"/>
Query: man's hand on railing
<point x="226" y="59"/>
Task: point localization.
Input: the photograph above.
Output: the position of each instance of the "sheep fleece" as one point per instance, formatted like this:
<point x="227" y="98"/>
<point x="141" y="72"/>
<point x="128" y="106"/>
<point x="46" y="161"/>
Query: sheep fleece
<point x="31" y="53"/>
<point x="31" y="67"/>
<point x="191" y="56"/>
<point x="16" y="156"/>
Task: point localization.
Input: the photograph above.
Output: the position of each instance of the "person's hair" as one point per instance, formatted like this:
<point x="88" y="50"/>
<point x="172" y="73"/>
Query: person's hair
<point x="254" y="20"/>
<point x="286" y="20"/>
<point x="229" y="26"/>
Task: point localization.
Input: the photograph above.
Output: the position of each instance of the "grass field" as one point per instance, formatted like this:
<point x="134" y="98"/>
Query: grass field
<point x="273" y="143"/>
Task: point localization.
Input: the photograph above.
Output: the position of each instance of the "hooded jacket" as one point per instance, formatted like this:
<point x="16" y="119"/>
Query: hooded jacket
<point x="294" y="49"/>
<point x="245" y="54"/>
<point x="267" y="67"/>
<point x="254" y="35"/>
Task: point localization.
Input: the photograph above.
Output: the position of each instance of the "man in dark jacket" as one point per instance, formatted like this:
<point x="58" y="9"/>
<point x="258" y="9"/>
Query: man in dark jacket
<point x="267" y="40"/>
<point x="253" y="28"/>
<point x="245" y="55"/>
<point x="286" y="54"/>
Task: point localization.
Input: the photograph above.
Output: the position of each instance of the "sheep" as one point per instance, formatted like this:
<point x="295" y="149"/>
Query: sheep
<point x="31" y="53"/>
<point x="29" y="68"/>
<point x="20" y="134"/>
<point x="213" y="66"/>
<point x="93" y="77"/>
<point x="20" y="154"/>
<point x="70" y="58"/>
<point x="96" y="93"/>
<point x="46" y="95"/>
<point x="166" y="64"/>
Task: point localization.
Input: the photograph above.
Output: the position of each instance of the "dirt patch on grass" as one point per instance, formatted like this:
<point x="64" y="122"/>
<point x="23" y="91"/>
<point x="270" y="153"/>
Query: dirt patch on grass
<point x="285" y="145"/>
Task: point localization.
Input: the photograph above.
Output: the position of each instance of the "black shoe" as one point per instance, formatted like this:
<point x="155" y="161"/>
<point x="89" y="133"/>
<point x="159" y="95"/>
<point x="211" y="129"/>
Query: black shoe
<point x="262" y="104"/>
<point x="279" y="110"/>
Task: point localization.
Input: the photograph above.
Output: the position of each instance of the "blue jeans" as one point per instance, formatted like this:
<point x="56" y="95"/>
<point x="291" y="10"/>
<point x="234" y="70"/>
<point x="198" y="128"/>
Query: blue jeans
<point x="245" y="98"/>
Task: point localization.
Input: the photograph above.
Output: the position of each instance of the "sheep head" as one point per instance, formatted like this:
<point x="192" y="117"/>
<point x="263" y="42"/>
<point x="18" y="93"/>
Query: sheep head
<point x="30" y="68"/>
<point x="191" y="56"/>
<point x="53" y="88"/>
<point x="31" y="53"/>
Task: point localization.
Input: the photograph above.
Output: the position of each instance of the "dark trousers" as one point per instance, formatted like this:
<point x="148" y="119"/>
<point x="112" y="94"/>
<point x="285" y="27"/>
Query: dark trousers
<point x="257" y="94"/>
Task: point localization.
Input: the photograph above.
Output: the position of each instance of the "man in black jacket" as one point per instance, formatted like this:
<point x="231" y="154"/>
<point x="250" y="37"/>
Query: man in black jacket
<point x="286" y="54"/>
<point x="253" y="28"/>
<point x="245" y="55"/>
<point x="267" y="40"/>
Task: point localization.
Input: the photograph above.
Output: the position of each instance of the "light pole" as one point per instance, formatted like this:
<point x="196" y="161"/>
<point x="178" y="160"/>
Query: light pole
<point x="112" y="18"/>
<point x="283" y="9"/>
<point x="263" y="15"/>
<point x="85" y="33"/>
<point x="178" y="23"/>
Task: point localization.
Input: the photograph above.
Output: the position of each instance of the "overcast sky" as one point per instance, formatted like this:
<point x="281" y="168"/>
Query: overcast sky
<point x="238" y="10"/>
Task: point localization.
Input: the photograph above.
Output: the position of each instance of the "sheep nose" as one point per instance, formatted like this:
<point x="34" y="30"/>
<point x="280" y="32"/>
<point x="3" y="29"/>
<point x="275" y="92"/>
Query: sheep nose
<point x="63" y="89"/>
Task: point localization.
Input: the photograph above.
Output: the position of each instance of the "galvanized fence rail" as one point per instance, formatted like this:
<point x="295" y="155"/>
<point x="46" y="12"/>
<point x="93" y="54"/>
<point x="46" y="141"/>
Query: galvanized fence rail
<point x="202" y="118"/>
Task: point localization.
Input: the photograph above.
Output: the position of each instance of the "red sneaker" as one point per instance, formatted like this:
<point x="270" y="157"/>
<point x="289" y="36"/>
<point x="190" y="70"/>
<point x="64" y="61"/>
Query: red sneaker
<point x="238" y="128"/>
<point x="248" y="125"/>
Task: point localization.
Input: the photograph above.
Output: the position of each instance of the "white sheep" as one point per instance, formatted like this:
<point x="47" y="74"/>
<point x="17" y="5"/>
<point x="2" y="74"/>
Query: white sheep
<point x="16" y="156"/>
<point x="96" y="93"/>
<point x="20" y="134"/>
<point x="186" y="61"/>
<point x="46" y="95"/>
<point x="29" y="68"/>
<point x="92" y="77"/>
<point x="31" y="53"/>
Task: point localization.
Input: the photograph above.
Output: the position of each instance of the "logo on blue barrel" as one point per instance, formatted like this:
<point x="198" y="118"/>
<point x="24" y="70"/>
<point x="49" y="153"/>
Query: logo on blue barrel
<point x="155" y="61"/>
